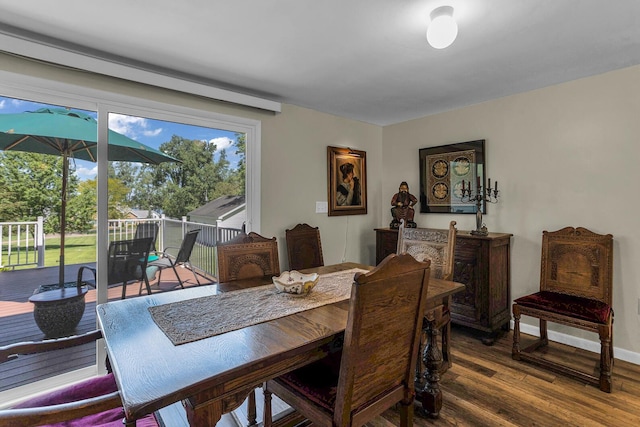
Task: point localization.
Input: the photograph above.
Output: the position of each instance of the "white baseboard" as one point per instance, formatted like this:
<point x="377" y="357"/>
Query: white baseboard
<point x="593" y="346"/>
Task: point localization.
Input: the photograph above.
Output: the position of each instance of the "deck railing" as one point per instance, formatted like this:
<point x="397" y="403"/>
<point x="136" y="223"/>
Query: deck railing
<point x="23" y="243"/>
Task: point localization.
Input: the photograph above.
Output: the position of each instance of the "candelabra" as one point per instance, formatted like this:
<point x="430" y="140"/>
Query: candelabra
<point x="486" y="195"/>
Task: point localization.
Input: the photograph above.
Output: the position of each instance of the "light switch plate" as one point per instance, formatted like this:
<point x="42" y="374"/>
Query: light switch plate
<point x="322" y="207"/>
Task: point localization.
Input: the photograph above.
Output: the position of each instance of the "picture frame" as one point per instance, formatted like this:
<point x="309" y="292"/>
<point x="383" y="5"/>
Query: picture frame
<point x="347" y="181"/>
<point x="442" y="172"/>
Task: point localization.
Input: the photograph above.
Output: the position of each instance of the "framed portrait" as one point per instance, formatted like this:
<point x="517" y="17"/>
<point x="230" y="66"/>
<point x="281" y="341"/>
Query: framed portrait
<point x="347" y="181"/>
<point x="444" y="170"/>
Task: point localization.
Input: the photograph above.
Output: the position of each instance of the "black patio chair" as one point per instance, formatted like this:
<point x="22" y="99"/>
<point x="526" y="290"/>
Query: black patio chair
<point x="127" y="263"/>
<point x="147" y="229"/>
<point x="182" y="258"/>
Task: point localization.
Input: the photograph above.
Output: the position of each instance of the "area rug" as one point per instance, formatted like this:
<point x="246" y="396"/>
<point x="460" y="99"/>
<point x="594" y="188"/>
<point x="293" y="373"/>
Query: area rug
<point x="204" y="317"/>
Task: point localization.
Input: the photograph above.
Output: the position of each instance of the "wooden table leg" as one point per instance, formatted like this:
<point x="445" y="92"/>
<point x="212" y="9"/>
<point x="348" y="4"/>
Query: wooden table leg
<point x="427" y="389"/>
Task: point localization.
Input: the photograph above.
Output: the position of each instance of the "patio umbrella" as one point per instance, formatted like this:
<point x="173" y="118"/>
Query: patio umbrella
<point x="70" y="134"/>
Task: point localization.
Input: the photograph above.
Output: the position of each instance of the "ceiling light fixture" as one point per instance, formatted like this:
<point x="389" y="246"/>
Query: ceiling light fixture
<point x="442" y="30"/>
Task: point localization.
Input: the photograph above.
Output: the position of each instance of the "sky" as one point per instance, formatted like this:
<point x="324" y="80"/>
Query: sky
<point x="147" y="131"/>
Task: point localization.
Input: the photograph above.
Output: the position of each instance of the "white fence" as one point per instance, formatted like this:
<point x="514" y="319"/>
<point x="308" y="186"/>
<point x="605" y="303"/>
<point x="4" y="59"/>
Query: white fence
<point x="23" y="243"/>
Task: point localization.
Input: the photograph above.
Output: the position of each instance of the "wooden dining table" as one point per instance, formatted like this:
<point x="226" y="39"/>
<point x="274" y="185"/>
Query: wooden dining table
<point x="213" y="376"/>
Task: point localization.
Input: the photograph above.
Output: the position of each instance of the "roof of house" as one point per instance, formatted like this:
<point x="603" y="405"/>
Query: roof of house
<point x="141" y="213"/>
<point x="219" y="207"/>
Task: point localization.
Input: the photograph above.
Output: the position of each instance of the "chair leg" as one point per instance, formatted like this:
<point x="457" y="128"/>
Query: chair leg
<point x="251" y="409"/>
<point x="124" y="290"/>
<point x="515" y="350"/>
<point x="266" y="420"/>
<point x="406" y="414"/>
<point x="544" y="338"/>
<point x="177" y="275"/>
<point x="446" y="349"/>
<point x="605" y="358"/>
<point x="194" y="273"/>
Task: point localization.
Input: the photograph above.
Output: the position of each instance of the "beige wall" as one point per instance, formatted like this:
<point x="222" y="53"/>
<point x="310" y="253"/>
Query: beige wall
<point x="565" y="155"/>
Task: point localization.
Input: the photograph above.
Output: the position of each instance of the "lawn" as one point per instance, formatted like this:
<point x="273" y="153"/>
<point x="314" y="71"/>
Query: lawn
<point x="78" y="249"/>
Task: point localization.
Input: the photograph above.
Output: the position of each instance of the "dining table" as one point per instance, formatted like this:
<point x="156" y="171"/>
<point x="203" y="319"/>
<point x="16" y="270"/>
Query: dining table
<point x="213" y="374"/>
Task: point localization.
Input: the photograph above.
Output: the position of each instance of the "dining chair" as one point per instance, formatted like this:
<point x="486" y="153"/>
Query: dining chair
<point x="247" y="256"/>
<point x="304" y="248"/>
<point x="438" y="246"/>
<point x="92" y="402"/>
<point x="127" y="263"/>
<point x="375" y="368"/>
<point x="244" y="257"/>
<point x="576" y="290"/>
<point x="182" y="257"/>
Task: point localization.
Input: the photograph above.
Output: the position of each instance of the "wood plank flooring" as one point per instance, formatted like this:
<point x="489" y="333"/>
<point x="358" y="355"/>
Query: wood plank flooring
<point x="485" y="387"/>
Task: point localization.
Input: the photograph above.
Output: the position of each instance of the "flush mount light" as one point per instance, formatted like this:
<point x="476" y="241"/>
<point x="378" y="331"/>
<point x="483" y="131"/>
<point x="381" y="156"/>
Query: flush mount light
<point x="442" y="30"/>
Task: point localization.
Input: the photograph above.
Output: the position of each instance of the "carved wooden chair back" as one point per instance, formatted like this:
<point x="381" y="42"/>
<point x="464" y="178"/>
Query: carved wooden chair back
<point x="377" y="365"/>
<point x="575" y="290"/>
<point x="304" y="248"/>
<point x="437" y="245"/>
<point x="247" y="256"/>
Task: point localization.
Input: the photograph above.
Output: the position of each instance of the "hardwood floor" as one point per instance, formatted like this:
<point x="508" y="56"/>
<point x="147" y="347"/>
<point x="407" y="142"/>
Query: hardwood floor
<point x="485" y="387"/>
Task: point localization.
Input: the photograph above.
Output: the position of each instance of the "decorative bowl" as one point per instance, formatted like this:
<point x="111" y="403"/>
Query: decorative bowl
<point x="295" y="283"/>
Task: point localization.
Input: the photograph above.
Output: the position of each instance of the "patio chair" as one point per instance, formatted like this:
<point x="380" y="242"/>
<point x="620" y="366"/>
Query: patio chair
<point x="92" y="402"/>
<point x="182" y="258"/>
<point x="127" y="263"/>
<point x="438" y="246"/>
<point x="304" y="248"/>
<point x="375" y="368"/>
<point x="148" y="229"/>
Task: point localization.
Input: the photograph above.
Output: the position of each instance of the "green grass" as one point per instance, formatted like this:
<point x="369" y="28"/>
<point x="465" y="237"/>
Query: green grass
<point x="78" y="249"/>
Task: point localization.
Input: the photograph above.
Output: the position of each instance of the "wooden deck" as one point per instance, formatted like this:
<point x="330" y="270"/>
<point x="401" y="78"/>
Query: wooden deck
<point x="17" y="323"/>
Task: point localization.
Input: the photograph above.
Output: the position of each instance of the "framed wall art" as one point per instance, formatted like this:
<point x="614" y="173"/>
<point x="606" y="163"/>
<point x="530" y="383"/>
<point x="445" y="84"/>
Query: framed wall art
<point x="347" y="181"/>
<point x="443" y="172"/>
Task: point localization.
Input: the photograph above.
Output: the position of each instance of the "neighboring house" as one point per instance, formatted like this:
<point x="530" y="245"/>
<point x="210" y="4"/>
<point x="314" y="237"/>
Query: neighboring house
<point x="142" y="214"/>
<point x="225" y="212"/>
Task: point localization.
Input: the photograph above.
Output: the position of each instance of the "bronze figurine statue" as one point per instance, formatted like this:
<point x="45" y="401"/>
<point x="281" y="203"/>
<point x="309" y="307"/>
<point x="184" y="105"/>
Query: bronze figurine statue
<point x="403" y="203"/>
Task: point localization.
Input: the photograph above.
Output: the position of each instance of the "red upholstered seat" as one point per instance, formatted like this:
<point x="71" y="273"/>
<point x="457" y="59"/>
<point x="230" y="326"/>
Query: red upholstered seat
<point x="568" y="305"/>
<point x="317" y="381"/>
<point x="93" y="387"/>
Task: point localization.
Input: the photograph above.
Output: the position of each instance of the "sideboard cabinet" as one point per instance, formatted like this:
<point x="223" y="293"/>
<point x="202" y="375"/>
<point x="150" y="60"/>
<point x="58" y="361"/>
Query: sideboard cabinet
<point x="482" y="264"/>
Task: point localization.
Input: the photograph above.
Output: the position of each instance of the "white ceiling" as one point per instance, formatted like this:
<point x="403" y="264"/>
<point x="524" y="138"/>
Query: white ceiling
<point x="363" y="59"/>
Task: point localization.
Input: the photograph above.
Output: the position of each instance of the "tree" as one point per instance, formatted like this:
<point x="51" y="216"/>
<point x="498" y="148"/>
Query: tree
<point x="81" y="209"/>
<point x="193" y="182"/>
<point x="37" y="180"/>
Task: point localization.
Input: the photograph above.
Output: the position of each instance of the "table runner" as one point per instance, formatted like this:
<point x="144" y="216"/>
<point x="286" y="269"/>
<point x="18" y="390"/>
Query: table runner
<point x="204" y="317"/>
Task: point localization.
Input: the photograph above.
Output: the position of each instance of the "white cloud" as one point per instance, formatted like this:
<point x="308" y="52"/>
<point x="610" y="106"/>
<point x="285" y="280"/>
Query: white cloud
<point x="2" y="104"/>
<point x="222" y="143"/>
<point x="86" y="173"/>
<point x="131" y="126"/>
<point x="154" y="132"/>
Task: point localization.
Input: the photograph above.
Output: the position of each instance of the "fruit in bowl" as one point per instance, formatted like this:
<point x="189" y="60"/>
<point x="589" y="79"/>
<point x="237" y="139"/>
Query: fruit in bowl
<point x="295" y="283"/>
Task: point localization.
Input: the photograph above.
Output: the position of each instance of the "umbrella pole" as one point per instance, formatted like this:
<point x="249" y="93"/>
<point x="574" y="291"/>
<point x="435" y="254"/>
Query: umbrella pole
<point x="63" y="213"/>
